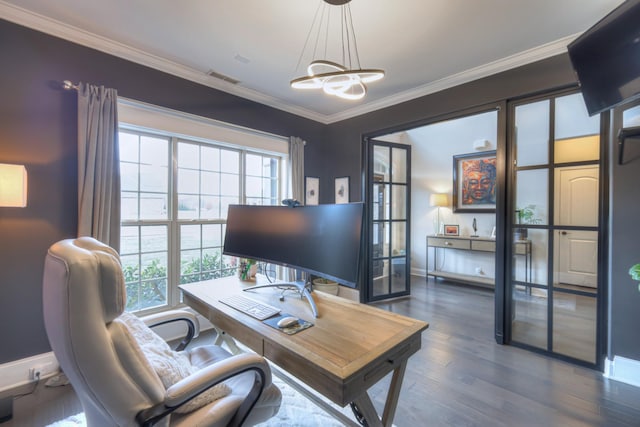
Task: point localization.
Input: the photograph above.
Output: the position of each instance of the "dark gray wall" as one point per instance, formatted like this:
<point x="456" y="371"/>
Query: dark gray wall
<point x="38" y="129"/>
<point x="345" y="136"/>
<point x="624" y="299"/>
<point x="625" y="234"/>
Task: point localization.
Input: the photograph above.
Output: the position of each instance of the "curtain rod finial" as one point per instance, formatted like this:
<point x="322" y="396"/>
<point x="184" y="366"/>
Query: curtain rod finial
<point x="68" y="85"/>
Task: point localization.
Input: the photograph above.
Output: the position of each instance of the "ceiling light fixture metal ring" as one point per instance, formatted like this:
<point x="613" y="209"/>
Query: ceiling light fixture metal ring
<point x="332" y="77"/>
<point x="336" y="80"/>
<point x="337" y="2"/>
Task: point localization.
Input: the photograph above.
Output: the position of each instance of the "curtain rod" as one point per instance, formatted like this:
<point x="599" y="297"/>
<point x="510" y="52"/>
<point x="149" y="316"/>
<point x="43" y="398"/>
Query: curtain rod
<point x="68" y="85"/>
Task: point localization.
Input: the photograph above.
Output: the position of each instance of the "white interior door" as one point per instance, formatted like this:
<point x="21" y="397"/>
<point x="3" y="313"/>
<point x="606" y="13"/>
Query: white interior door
<point x="577" y="258"/>
<point x="576" y="204"/>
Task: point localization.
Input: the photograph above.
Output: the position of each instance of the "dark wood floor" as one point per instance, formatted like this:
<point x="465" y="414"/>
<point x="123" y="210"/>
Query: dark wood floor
<point x="460" y="377"/>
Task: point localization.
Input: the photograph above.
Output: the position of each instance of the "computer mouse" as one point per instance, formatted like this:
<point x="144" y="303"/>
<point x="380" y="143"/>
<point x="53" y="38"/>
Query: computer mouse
<point x="286" y="322"/>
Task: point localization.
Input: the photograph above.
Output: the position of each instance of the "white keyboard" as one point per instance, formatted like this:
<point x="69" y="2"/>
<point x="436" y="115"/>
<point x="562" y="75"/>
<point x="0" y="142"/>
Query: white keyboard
<point x="249" y="306"/>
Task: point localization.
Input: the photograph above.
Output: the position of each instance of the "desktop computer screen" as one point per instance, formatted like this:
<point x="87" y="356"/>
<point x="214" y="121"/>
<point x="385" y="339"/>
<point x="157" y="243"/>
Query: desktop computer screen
<point x="323" y="240"/>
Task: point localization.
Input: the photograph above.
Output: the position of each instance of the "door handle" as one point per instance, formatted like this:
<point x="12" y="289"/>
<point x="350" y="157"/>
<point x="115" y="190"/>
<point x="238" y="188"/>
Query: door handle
<point x="564" y="233"/>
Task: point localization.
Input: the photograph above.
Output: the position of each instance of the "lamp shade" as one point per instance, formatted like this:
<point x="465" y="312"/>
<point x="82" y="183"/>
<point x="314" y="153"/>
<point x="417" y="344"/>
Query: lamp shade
<point x="439" y="199"/>
<point x="13" y="186"/>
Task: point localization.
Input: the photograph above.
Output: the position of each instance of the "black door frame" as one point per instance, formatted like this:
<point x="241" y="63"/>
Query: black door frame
<point x="367" y="290"/>
<point x="603" y="218"/>
<point x="501" y="211"/>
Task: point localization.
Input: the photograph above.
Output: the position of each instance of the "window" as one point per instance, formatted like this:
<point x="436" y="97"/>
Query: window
<point x="175" y="194"/>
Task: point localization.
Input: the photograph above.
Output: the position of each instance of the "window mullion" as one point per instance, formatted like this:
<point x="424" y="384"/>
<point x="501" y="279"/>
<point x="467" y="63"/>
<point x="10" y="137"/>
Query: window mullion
<point x="209" y="235"/>
<point x="174" y="231"/>
<point x="242" y="176"/>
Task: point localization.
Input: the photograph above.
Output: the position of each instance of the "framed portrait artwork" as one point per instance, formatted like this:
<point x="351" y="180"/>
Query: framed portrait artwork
<point x="474" y="182"/>
<point x="342" y="190"/>
<point x="311" y="190"/>
<point x="451" y="230"/>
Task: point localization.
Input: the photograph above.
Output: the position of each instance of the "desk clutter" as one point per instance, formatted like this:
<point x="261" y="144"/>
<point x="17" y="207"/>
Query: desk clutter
<point x="291" y="328"/>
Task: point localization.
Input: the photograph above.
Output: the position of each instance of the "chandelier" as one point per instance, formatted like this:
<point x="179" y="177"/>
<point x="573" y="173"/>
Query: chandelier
<point x="346" y="79"/>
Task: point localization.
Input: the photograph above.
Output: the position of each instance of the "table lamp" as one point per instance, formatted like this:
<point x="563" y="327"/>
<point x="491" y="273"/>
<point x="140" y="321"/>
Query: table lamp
<point x="439" y="200"/>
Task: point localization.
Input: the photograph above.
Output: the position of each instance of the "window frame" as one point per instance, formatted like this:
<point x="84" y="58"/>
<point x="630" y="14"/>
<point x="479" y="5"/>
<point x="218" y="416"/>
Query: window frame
<point x="173" y="223"/>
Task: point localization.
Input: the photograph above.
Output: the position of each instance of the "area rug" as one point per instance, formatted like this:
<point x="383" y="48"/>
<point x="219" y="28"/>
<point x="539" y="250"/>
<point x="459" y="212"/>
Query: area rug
<point x="295" y="411"/>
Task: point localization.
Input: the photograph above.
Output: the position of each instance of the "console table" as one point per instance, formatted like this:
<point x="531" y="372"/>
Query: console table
<point x="474" y="244"/>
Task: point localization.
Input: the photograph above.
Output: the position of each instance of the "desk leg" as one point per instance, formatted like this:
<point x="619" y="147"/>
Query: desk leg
<point x="367" y="409"/>
<point x="392" y="397"/>
<point x="223" y="338"/>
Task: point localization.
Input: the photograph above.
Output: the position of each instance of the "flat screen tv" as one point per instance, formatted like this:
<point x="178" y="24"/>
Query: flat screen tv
<point x="323" y="240"/>
<point x="606" y="59"/>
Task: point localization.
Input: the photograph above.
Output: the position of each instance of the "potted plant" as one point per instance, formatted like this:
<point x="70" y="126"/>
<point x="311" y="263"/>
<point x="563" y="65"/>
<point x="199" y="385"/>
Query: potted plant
<point x="325" y="285"/>
<point x="525" y="215"/>
<point x="247" y="269"/>
<point x="634" y="272"/>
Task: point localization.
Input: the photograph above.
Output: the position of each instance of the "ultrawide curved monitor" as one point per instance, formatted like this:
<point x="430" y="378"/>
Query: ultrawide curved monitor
<point x="323" y="240"/>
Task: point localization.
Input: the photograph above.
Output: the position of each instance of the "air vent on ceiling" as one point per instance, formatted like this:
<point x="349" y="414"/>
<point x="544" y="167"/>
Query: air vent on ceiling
<point x="222" y="77"/>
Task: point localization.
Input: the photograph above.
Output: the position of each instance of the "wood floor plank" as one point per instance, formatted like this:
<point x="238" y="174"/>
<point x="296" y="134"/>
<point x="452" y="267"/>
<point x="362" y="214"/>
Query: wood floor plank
<point x="460" y="377"/>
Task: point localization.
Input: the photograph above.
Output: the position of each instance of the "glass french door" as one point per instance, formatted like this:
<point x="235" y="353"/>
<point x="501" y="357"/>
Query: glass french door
<point x="555" y="208"/>
<point x="388" y="189"/>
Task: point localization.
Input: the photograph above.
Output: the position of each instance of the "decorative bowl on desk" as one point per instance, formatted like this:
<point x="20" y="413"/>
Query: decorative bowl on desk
<point x="325" y="285"/>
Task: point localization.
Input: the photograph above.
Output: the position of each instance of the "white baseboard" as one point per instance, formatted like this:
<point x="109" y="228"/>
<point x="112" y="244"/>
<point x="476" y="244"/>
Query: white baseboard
<point x="16" y="374"/>
<point x="623" y="369"/>
<point x="422" y="272"/>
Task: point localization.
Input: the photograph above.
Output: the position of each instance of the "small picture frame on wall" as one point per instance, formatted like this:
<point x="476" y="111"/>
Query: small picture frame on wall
<point x="311" y="190"/>
<point x="342" y="190"/>
<point x="451" y="230"/>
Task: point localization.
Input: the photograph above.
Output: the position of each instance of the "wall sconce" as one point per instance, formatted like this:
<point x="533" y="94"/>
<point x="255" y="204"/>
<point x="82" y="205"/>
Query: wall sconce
<point x="13" y="186"/>
<point x="440" y="200"/>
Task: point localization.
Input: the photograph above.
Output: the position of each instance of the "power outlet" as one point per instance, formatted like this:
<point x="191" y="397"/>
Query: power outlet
<point x="34" y="374"/>
<point x="38" y="372"/>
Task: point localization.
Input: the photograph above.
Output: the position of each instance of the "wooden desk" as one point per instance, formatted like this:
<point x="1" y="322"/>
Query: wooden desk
<point x="350" y="347"/>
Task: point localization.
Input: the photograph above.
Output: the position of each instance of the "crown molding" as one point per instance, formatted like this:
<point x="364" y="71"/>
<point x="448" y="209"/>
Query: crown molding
<point x="519" y="59"/>
<point x="76" y="35"/>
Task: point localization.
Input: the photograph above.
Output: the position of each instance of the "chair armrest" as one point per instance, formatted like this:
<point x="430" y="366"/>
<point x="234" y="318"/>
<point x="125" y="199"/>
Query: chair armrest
<point x="197" y="383"/>
<point x="171" y="316"/>
<point x="207" y="377"/>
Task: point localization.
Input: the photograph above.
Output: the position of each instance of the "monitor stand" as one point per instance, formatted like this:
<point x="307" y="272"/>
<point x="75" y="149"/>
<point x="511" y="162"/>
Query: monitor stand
<point x="300" y="286"/>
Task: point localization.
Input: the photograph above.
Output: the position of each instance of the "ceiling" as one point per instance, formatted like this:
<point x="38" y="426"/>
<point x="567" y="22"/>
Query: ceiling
<point x="423" y="45"/>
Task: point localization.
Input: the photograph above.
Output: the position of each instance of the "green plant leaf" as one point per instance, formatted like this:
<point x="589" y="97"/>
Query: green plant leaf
<point x="634" y="272"/>
<point x="527" y="215"/>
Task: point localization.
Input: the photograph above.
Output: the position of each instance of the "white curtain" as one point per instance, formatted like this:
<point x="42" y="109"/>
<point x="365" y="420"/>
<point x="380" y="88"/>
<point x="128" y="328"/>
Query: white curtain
<point x="296" y="168"/>
<point x="296" y="178"/>
<point x="98" y="165"/>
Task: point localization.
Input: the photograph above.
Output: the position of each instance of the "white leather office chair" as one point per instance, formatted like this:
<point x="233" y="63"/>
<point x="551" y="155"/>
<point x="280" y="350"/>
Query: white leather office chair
<point x="84" y="299"/>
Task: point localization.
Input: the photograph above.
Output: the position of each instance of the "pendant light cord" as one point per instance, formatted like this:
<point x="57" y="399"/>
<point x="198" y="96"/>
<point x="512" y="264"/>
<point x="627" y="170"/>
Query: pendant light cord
<point x="306" y="42"/>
